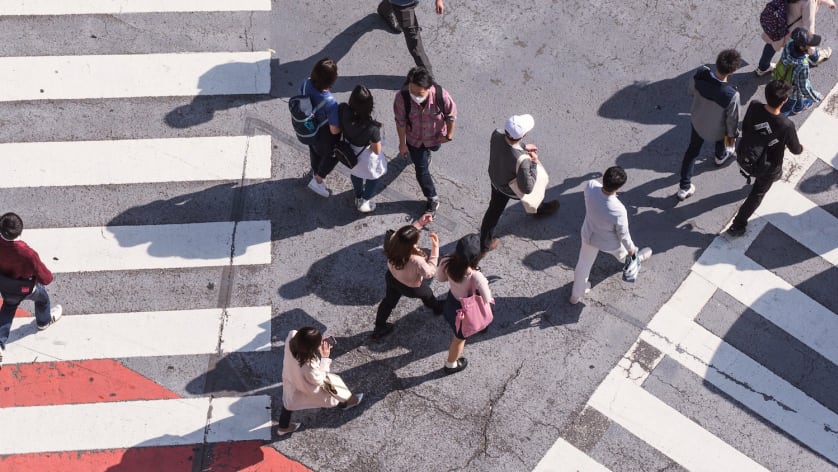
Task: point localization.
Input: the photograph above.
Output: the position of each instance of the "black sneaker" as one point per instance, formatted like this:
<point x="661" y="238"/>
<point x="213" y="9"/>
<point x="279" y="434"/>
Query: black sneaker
<point x="547" y="208"/>
<point x="389" y="19"/>
<point x="462" y="363"/>
<point x="433" y="206"/>
<point x="382" y="330"/>
<point x="736" y="232"/>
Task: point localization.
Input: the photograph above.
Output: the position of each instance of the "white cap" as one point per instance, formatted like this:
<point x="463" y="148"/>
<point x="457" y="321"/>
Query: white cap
<point x="519" y="125"/>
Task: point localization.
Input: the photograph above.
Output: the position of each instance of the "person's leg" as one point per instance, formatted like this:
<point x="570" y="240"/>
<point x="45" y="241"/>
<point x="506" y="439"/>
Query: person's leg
<point x="284" y="418"/>
<point x="357" y="186"/>
<point x="765" y="60"/>
<point x="455" y="350"/>
<point x="497" y="204"/>
<point x="413" y="37"/>
<point x="424" y="293"/>
<point x="370" y="186"/>
<point x="587" y="256"/>
<point x="391" y="298"/>
<point x="421" y="157"/>
<point x="688" y="163"/>
<point x="758" y="191"/>
<point x="7" y="314"/>
<point x="40" y="296"/>
<point x="325" y="146"/>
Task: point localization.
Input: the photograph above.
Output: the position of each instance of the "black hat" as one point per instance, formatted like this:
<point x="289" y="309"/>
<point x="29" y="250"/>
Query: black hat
<point x="468" y="247"/>
<point x="801" y="37"/>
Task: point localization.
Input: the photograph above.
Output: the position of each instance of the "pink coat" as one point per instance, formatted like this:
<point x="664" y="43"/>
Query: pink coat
<point x="301" y="385"/>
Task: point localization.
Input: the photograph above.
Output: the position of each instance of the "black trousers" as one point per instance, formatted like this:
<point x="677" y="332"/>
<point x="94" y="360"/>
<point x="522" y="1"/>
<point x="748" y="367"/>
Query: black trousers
<point x="284" y="417"/>
<point x="758" y="191"/>
<point x="497" y="204"/>
<point x="320" y="153"/>
<point x="412" y="32"/>
<point x="688" y="163"/>
<point x="397" y="290"/>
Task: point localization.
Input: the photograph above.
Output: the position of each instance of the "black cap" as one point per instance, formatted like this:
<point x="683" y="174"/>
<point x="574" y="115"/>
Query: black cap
<point x="801" y="37"/>
<point x="468" y="247"/>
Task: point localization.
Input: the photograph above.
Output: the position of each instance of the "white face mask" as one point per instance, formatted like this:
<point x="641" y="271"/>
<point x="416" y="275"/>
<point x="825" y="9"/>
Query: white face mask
<point x="418" y="100"/>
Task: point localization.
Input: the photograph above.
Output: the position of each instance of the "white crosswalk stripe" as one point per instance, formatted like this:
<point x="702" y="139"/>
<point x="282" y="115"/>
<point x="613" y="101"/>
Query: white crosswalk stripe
<point x="675" y="332"/>
<point x="132" y="161"/>
<point x="81" y="250"/>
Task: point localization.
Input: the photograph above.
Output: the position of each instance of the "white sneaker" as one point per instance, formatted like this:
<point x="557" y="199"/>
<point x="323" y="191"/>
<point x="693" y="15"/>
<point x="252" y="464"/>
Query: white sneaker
<point x="55" y="312"/>
<point x="319" y="188"/>
<point x="644" y="254"/>
<point x="759" y="72"/>
<point x="684" y="194"/>
<point x="574" y="300"/>
<point x="720" y="161"/>
<point x="366" y="206"/>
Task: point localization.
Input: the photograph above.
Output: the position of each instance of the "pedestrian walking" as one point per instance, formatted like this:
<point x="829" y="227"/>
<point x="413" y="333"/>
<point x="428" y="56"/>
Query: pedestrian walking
<point x="513" y="173"/>
<point x="464" y="278"/>
<point x="794" y="68"/>
<point x="316" y="87"/>
<point x="425" y="116"/>
<point x="714" y="116"/>
<point x="799" y="13"/>
<point x="306" y="377"/>
<point x="400" y="17"/>
<point x="22" y="277"/>
<point x="765" y="131"/>
<point x="364" y="135"/>
<point x="605" y="228"/>
<point x="407" y="268"/>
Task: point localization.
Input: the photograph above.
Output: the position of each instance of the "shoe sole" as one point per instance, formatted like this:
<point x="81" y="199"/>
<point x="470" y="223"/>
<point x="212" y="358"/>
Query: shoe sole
<point x="681" y="199"/>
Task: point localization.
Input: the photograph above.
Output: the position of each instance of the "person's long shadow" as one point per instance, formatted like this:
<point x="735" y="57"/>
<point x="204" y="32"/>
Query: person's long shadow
<point x="288" y="75"/>
<point x="218" y="89"/>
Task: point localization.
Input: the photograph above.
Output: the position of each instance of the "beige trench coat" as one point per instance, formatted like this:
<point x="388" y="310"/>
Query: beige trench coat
<point x="301" y="385"/>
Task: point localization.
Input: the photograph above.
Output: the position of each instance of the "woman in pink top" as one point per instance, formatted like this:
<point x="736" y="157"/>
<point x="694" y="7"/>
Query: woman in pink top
<point x="464" y="277"/>
<point x="303" y="373"/>
<point x="408" y="267"/>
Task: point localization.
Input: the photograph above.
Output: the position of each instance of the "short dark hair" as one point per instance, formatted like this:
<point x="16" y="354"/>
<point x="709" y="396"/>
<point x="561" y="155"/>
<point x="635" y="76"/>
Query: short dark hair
<point x="304" y="344"/>
<point x="776" y="92"/>
<point x="10" y="226"/>
<point x="728" y="61"/>
<point x="421" y="77"/>
<point x="324" y="74"/>
<point x="614" y="178"/>
<point x="361" y="105"/>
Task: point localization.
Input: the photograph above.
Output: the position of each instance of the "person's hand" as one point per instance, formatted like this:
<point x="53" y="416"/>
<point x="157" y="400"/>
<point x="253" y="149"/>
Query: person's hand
<point x="534" y="157"/>
<point x="440" y="7"/>
<point x="446" y="139"/>
<point x="425" y="219"/>
<point x="434" y="240"/>
<point x="530" y="148"/>
<point x="403" y="149"/>
<point x="325" y="349"/>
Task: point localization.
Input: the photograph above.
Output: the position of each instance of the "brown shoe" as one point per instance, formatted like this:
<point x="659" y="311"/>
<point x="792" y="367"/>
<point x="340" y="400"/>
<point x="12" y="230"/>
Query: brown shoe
<point x="547" y="208"/>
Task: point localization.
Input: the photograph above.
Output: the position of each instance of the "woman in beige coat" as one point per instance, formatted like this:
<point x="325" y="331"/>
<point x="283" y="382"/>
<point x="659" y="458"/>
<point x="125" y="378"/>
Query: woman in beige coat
<point x="800" y="13"/>
<point x="303" y="373"/>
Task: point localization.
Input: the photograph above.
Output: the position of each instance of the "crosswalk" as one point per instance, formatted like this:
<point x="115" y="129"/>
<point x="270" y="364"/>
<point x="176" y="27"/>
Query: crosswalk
<point x="68" y="403"/>
<point x="684" y="334"/>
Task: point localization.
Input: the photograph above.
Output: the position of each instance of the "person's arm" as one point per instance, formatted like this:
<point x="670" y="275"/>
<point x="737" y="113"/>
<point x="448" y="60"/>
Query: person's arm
<point x="483" y="287"/>
<point x="375" y="140"/>
<point x="622" y="229"/>
<point x="440" y="7"/>
<point x="401" y="122"/>
<point x="801" y="78"/>
<point x="732" y="114"/>
<point x="441" y="275"/>
<point x="376" y="147"/>
<point x="527" y="173"/>
<point x="42" y="274"/>
<point x="422" y="221"/>
<point x="451" y="116"/>
<point x="793" y="143"/>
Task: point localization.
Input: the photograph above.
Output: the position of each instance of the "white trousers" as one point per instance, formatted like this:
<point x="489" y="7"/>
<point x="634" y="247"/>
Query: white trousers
<point x="587" y="256"/>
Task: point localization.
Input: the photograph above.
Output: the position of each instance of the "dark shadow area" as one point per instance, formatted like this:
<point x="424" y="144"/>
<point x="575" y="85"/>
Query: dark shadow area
<point x="288" y="75"/>
<point x="821" y="186"/>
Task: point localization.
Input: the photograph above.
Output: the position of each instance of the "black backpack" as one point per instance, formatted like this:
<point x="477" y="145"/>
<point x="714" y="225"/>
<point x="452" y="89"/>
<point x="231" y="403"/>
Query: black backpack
<point x="303" y="116"/>
<point x="752" y="150"/>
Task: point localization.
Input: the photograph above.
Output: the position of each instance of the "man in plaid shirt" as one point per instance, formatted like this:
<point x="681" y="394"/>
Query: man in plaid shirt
<point x="423" y="123"/>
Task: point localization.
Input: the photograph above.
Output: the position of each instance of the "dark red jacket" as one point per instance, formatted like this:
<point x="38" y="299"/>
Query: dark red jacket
<point x="19" y="261"/>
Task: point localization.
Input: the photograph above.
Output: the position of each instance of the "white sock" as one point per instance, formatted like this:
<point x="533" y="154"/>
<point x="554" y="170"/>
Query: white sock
<point x="451" y="365"/>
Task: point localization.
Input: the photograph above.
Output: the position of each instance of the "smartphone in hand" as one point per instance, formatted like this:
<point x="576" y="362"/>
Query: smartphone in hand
<point x="331" y="341"/>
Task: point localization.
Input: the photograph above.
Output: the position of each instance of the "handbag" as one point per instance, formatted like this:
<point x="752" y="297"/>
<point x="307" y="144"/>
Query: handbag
<point x="631" y="268"/>
<point x="475" y="314"/>
<point x="344" y="154"/>
<point x="335" y="387"/>
<point x="531" y="200"/>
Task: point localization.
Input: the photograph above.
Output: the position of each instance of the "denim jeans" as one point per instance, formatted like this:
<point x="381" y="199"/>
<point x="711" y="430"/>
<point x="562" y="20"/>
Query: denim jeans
<point x="688" y="164"/>
<point x="767" y="54"/>
<point x="421" y="157"/>
<point x="793" y="107"/>
<point x="364" y="188"/>
<point x="12" y="300"/>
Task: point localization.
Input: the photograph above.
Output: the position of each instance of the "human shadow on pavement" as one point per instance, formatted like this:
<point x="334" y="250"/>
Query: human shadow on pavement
<point x="288" y="75"/>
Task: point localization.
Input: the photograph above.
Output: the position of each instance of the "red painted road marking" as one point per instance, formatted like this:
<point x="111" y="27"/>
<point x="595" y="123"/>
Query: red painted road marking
<point x="244" y="456"/>
<point x="92" y="381"/>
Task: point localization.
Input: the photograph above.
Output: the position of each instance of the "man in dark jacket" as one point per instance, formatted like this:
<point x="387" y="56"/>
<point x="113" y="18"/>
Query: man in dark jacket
<point x="776" y="132"/>
<point x="505" y="150"/>
<point x="400" y="16"/>
<point x="714" y="116"/>
<point x="22" y="276"/>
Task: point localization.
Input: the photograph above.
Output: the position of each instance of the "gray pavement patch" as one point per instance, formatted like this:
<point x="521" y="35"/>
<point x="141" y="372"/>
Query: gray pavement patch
<point x="820" y="184"/>
<point x="619" y="450"/>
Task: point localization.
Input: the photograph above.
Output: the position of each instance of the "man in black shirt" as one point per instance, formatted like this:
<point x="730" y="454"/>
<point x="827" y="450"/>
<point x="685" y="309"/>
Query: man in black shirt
<point x="779" y="133"/>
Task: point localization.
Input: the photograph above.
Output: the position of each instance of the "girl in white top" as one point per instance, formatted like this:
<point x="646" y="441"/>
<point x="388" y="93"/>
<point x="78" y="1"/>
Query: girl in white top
<point x="463" y="276"/>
